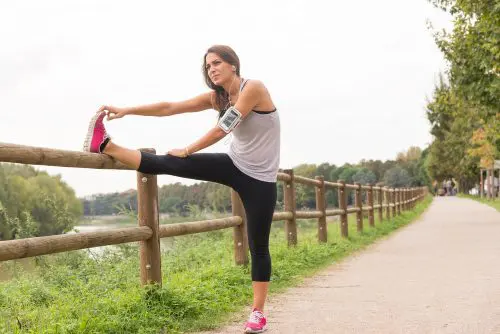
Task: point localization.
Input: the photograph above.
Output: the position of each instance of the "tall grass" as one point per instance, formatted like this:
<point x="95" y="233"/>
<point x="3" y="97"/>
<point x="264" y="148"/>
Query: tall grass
<point x="77" y="293"/>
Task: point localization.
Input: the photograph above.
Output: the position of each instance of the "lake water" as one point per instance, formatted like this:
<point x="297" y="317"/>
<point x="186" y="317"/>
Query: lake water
<point x="29" y="263"/>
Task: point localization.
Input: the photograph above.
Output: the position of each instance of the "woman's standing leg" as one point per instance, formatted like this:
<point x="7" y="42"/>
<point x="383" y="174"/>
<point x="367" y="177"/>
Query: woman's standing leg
<point x="259" y="200"/>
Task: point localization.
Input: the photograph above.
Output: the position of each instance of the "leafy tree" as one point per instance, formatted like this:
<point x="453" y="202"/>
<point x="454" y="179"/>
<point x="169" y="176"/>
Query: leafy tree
<point x="169" y="204"/>
<point x="397" y="177"/>
<point x="364" y="176"/>
<point x="34" y="203"/>
<point x="472" y="50"/>
<point x="16" y="227"/>
<point x="305" y="196"/>
<point x="219" y="199"/>
<point x="469" y="100"/>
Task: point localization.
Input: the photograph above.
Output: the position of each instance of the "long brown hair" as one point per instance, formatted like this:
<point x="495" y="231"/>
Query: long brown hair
<point x="229" y="56"/>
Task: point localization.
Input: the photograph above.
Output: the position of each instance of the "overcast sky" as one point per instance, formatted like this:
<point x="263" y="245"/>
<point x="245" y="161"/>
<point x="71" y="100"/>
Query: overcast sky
<point x="349" y="78"/>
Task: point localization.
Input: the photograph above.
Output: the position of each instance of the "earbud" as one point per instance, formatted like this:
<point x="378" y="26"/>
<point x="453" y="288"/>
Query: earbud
<point x="234" y="68"/>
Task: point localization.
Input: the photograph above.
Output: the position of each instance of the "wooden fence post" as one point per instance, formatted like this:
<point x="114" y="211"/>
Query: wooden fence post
<point x="358" y="203"/>
<point x="240" y="237"/>
<point x="408" y="205"/>
<point x="344" y="230"/>
<point x="412" y="198"/>
<point x="321" y="206"/>
<point x="387" y="202"/>
<point x="380" y="200"/>
<point x="403" y="208"/>
<point x="393" y="200"/>
<point x="290" y="205"/>
<point x="481" y="184"/>
<point x="409" y="199"/>
<point x="399" y="199"/>
<point x="371" y="213"/>
<point x="489" y="193"/>
<point x="148" y="215"/>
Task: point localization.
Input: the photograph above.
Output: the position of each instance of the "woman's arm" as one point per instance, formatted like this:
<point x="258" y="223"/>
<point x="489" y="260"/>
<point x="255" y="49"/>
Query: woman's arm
<point x="198" y="103"/>
<point x="248" y="99"/>
<point x="211" y="137"/>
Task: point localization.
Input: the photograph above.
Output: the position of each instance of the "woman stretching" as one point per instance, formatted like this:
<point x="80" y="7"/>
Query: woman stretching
<point x="250" y="167"/>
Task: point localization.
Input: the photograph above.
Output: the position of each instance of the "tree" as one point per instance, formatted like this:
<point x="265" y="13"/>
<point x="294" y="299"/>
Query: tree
<point x="473" y="81"/>
<point x="397" y="177"/>
<point x="305" y="196"/>
<point x="412" y="154"/>
<point x="169" y="204"/>
<point x="34" y="203"/>
<point x="452" y="124"/>
<point x="472" y="50"/>
<point x="364" y="176"/>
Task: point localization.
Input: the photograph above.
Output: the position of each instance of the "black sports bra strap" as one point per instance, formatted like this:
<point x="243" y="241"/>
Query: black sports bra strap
<point x="263" y="112"/>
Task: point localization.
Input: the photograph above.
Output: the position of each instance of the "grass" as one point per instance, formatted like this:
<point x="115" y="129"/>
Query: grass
<point x="494" y="203"/>
<point x="74" y="293"/>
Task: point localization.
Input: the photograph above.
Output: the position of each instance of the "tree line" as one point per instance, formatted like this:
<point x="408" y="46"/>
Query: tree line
<point x="33" y="203"/>
<point x="464" y="110"/>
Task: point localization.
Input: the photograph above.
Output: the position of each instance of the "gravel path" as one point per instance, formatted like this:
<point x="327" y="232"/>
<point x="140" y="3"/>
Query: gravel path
<point x="440" y="274"/>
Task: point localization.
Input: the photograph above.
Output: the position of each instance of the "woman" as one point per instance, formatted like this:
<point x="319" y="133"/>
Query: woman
<point x="250" y="167"/>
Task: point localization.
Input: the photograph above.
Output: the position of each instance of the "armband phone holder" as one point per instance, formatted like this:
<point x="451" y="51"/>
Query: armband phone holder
<point x="230" y="119"/>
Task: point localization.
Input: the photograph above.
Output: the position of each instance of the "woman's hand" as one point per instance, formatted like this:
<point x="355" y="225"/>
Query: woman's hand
<point x="113" y="112"/>
<point x="179" y="152"/>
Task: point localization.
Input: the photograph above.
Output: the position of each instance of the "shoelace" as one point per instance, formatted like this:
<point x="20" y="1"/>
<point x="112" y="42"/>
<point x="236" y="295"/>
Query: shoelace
<point x="255" y="317"/>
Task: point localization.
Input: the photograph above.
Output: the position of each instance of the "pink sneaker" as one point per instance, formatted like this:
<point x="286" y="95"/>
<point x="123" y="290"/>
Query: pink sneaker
<point x="256" y="322"/>
<point x="96" y="135"/>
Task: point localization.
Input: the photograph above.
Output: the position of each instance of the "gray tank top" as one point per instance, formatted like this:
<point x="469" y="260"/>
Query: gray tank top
<point x="255" y="147"/>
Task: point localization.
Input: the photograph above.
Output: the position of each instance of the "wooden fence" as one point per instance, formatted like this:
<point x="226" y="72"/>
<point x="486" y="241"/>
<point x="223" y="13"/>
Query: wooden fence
<point x="383" y="201"/>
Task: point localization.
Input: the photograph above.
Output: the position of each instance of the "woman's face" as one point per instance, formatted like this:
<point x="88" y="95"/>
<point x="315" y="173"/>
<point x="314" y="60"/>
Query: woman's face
<point x="218" y="70"/>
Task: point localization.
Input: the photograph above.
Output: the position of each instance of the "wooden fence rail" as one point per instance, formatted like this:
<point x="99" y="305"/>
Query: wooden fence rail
<point x="149" y="232"/>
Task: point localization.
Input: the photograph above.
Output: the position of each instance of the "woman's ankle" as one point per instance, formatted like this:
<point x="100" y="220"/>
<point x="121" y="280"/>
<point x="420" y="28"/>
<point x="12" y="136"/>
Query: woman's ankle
<point x="104" y="145"/>
<point x="107" y="147"/>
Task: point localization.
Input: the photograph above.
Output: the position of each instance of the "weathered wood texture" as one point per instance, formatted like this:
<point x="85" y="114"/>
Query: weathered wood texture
<point x="18" y="249"/>
<point x="321" y="207"/>
<point x="371" y="212"/>
<point x="240" y="238"/>
<point x="148" y="215"/>
<point x="342" y="195"/>
<point x="173" y="230"/>
<point x="50" y="157"/>
<point x="358" y="203"/>
<point x="289" y="204"/>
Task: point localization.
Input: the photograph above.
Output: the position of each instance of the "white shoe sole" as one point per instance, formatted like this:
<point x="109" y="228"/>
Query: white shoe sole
<point x="90" y="133"/>
<point x="251" y="331"/>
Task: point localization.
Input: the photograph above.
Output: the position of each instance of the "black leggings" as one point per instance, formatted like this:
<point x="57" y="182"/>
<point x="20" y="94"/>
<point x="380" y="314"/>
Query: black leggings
<point x="258" y="197"/>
